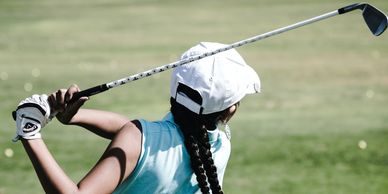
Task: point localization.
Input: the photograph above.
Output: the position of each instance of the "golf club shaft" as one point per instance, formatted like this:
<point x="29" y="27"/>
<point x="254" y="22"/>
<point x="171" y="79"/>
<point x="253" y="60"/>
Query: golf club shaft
<point x="231" y="46"/>
<point x="107" y="86"/>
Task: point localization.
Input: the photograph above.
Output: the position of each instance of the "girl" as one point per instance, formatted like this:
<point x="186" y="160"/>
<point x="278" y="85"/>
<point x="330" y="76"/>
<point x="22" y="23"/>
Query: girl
<point x="183" y="153"/>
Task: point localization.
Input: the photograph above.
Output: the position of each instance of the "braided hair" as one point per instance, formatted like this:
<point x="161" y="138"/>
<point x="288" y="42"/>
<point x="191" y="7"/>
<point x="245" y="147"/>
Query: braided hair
<point x="194" y="128"/>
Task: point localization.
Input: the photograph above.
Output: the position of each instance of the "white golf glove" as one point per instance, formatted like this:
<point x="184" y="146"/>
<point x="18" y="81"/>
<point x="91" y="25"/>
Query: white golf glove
<point x="31" y="116"/>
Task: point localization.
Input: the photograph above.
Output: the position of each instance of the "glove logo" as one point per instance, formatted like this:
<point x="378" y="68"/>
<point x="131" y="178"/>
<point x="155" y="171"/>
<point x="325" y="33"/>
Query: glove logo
<point x="29" y="127"/>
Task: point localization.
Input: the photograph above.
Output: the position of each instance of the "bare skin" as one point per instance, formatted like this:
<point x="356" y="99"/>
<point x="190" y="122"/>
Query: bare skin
<point x="116" y="163"/>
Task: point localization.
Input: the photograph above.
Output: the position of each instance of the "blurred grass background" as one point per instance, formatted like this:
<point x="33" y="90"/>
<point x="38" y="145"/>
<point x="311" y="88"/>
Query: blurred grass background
<point x="325" y="86"/>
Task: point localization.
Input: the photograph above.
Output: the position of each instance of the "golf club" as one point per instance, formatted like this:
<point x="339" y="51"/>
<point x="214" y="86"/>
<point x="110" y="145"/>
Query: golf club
<point x="374" y="18"/>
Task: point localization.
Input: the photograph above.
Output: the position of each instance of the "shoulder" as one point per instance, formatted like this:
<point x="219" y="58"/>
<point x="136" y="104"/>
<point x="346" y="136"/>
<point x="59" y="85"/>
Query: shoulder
<point x="128" y="141"/>
<point x="129" y="138"/>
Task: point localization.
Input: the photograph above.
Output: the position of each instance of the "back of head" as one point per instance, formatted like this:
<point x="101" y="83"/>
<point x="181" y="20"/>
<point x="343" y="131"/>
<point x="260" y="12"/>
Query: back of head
<point x="201" y="93"/>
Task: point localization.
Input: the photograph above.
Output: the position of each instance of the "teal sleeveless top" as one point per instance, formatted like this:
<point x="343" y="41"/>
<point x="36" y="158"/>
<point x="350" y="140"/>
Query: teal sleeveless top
<point x="164" y="163"/>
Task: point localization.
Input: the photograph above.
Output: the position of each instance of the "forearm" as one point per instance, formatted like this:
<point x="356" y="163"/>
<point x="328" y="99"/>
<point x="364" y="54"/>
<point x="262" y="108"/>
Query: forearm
<point x="115" y="165"/>
<point x="103" y="123"/>
<point x="50" y="174"/>
<point x="33" y="114"/>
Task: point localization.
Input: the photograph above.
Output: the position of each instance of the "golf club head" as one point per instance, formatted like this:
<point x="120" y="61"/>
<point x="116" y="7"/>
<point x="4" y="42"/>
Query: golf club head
<point x="376" y="20"/>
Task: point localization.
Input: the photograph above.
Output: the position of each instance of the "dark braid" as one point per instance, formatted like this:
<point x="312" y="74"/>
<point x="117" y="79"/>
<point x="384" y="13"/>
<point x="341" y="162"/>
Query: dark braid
<point x="196" y="163"/>
<point x="211" y="169"/>
<point x="194" y="128"/>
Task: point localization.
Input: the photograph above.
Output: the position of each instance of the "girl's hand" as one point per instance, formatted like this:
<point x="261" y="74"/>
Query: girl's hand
<point x="60" y="104"/>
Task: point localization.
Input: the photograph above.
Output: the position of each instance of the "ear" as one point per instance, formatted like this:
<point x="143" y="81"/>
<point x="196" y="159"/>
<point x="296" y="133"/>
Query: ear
<point x="232" y="109"/>
<point x="228" y="113"/>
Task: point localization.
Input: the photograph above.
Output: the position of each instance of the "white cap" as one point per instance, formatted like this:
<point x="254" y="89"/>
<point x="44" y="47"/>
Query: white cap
<point x="222" y="80"/>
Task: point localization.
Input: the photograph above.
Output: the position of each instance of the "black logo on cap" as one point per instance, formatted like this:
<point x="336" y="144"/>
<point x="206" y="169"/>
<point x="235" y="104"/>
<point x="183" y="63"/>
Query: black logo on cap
<point x="29" y="127"/>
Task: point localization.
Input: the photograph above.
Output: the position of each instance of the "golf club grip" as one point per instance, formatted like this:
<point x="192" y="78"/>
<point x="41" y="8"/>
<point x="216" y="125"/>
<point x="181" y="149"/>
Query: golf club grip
<point x="89" y="92"/>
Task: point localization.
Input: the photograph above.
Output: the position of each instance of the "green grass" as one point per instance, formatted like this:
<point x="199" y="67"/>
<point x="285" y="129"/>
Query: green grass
<point x="325" y="86"/>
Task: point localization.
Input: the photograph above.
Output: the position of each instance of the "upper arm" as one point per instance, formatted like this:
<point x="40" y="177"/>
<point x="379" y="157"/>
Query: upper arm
<point x="103" y="123"/>
<point x="117" y="162"/>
